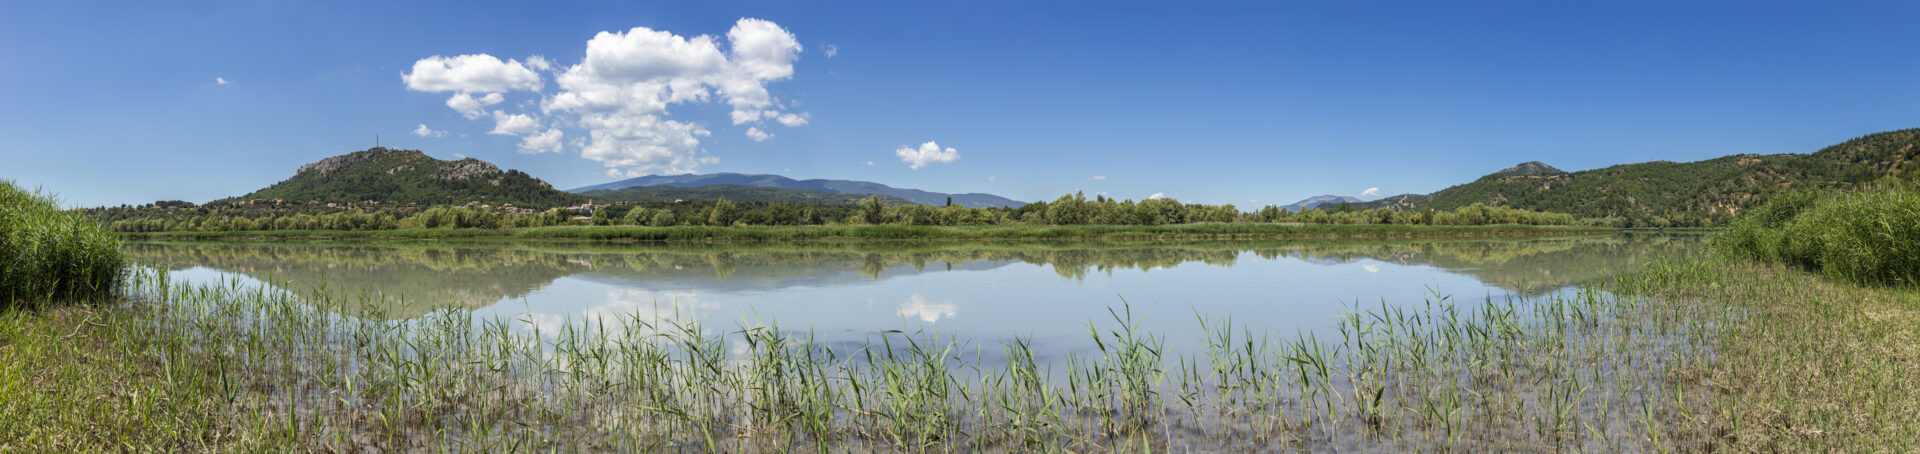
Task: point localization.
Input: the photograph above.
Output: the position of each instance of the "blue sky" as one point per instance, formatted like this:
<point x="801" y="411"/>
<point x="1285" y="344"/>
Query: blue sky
<point x="1219" y="103"/>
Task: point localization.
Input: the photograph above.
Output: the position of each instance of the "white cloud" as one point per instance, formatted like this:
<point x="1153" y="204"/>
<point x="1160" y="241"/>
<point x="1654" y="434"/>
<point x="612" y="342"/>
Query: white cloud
<point x="1097" y="178"/>
<point x="830" y="50"/>
<point x="1371" y="268"/>
<point x="539" y="63"/>
<point x="471" y="107"/>
<point x="476" y="73"/>
<point x="869" y="163"/>
<point x="424" y="131"/>
<point x="993" y="178"/>
<point x="928" y="154"/>
<point x="920" y="307"/>
<point x="507" y="124"/>
<point x="546" y="142"/>
<point x="1370" y="192"/>
<point x="1157" y="195"/>
<point x="757" y="135"/>
<point x="622" y="90"/>
<point x="792" y="120"/>
<point x="1253" y="200"/>
<point x="221" y="81"/>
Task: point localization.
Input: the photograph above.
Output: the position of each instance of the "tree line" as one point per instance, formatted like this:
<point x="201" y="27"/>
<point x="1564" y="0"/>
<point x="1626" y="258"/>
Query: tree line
<point x="1071" y="209"/>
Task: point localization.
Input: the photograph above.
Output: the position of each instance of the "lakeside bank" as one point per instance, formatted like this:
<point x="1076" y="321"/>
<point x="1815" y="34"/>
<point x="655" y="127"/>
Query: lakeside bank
<point x="1235" y="231"/>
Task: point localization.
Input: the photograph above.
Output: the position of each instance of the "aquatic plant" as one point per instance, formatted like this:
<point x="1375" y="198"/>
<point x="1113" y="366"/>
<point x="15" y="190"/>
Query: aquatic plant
<point x="48" y="254"/>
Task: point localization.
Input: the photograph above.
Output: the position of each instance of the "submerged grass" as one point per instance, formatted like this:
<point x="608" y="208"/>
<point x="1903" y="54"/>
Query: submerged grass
<point x="49" y="254"/>
<point x="897" y="232"/>
<point x="1818" y="365"/>
<point x="218" y="367"/>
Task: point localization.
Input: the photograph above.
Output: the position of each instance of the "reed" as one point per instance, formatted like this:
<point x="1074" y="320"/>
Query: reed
<point x="1867" y="236"/>
<point x="230" y="367"/>
<point x="48" y="254"/>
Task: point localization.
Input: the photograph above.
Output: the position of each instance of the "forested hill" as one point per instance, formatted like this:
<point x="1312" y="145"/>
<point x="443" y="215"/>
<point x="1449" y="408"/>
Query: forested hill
<point x="1701" y="193"/>
<point x="399" y="177"/>
<point x="733" y="192"/>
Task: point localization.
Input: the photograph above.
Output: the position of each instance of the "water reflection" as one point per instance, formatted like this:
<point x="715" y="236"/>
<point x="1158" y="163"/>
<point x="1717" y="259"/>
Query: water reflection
<point x="1046" y="291"/>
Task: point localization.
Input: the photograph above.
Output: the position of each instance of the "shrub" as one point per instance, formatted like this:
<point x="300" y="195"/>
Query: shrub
<point x="48" y="254"/>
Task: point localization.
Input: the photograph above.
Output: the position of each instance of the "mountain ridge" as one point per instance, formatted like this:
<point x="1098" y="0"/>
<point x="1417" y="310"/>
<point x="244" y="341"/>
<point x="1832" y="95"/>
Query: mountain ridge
<point x="1317" y="201"/>
<point x="1698" y="193"/>
<point x="972" y="199"/>
<point x="732" y="192"/>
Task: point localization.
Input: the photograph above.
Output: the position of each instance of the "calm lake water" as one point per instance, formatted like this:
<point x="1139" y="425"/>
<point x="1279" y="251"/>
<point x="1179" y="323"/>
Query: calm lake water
<point x="984" y="294"/>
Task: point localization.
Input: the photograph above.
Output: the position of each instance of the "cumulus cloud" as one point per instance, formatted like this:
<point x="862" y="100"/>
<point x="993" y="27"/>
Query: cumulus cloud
<point x="1370" y="192"/>
<point x="993" y="178"/>
<point x="621" y="91"/>
<point x="539" y="63"/>
<point x="927" y="154"/>
<point x="792" y="120"/>
<point x="545" y="142"/>
<point x="1157" y="195"/>
<point x="757" y="135"/>
<point x="1097" y="178"/>
<point x="830" y="50"/>
<point x="424" y="131"/>
<point x="220" y="81"/>
<point x="476" y="73"/>
<point x="869" y="163"/>
<point x="471" y="107"/>
<point x="507" y="124"/>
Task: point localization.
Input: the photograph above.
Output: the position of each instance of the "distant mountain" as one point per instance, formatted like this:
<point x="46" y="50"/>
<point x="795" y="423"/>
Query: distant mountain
<point x="1316" y="201"/>
<point x="394" y="177"/>
<point x="733" y="192"/>
<point x="1683" y="193"/>
<point x="978" y="200"/>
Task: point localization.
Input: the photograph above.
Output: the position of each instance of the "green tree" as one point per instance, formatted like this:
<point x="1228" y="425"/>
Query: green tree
<point x="601" y="216"/>
<point x="664" y="218"/>
<point x="870" y="209"/>
<point x="635" y="216"/>
<point x="723" y="213"/>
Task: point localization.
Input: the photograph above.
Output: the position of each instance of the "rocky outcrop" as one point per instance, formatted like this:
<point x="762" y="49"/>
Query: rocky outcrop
<point x="399" y="161"/>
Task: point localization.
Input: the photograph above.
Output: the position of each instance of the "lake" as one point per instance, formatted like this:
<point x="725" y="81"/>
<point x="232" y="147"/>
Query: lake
<point x="851" y="293"/>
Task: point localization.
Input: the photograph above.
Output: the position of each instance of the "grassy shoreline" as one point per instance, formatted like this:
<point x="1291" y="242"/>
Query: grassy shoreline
<point x="899" y="233"/>
<point x="1710" y="353"/>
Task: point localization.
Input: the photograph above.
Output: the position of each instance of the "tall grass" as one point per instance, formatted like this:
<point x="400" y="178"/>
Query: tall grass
<point x="48" y="254"/>
<point x="1870" y="236"/>
<point x="1580" y="370"/>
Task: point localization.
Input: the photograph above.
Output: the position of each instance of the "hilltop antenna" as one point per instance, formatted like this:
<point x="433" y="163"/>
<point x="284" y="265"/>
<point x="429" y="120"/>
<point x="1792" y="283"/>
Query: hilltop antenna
<point x="376" y="140"/>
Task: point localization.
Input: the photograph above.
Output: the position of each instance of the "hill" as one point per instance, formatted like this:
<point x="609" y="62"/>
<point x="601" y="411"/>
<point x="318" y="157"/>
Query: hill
<point x="1529" y="169"/>
<point x="396" y="177"/>
<point x="1317" y="201"/>
<point x="1691" y="193"/>
<point x="976" y="200"/>
<point x="733" y="192"/>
